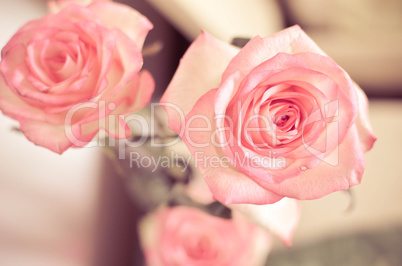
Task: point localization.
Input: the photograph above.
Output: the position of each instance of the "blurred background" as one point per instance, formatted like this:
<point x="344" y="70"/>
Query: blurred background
<point x="74" y="210"/>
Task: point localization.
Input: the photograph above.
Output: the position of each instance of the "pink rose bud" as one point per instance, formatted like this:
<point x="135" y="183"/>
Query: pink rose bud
<point x="65" y="76"/>
<point x="275" y="119"/>
<point x="188" y="236"/>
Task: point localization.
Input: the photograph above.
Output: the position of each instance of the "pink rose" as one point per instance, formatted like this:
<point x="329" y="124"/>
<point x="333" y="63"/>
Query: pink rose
<point x="188" y="236"/>
<point x="55" y="6"/>
<point x="64" y="76"/>
<point x="282" y="118"/>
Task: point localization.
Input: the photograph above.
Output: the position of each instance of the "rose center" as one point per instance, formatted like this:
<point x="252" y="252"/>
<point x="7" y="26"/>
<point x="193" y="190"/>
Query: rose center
<point x="281" y="121"/>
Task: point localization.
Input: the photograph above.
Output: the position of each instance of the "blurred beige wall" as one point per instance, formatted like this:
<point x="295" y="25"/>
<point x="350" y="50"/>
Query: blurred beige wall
<point x="363" y="36"/>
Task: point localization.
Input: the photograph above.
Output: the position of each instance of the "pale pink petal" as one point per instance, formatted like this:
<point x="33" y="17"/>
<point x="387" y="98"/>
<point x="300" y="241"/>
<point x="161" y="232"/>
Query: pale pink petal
<point x="49" y="136"/>
<point x="291" y="40"/>
<point x="143" y="91"/>
<point x="226" y="184"/>
<point x="137" y="93"/>
<point x="55" y="6"/>
<point x="124" y="18"/>
<point x="126" y="53"/>
<point x="280" y="218"/>
<point x="12" y="105"/>
<point x="230" y="86"/>
<point x="342" y="169"/>
<point x="199" y="71"/>
<point x="347" y="99"/>
<point x="366" y="134"/>
<point x="327" y="66"/>
<point x="134" y="96"/>
<point x="230" y="187"/>
<point x="11" y="59"/>
<point x="74" y="13"/>
<point x="119" y="131"/>
<point x="262" y="245"/>
<point x="127" y="62"/>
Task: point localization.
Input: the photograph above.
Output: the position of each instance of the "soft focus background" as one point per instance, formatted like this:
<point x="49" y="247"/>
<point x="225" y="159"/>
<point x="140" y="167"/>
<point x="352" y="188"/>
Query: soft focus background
<point x="74" y="210"/>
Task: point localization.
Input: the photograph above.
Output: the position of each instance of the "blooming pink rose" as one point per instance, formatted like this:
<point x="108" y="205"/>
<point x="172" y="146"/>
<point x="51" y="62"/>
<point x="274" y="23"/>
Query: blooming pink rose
<point x="55" y="6"/>
<point x="64" y="76"/>
<point x="188" y="236"/>
<point x="282" y="118"/>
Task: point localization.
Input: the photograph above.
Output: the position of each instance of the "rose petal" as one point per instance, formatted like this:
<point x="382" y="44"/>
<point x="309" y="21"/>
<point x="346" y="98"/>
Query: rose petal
<point x="124" y="18"/>
<point x="366" y="134"/>
<point x="136" y="94"/>
<point x="127" y="62"/>
<point x="12" y="105"/>
<point x="55" y="6"/>
<point x="11" y="59"/>
<point x="327" y="177"/>
<point x="226" y="93"/>
<point x="49" y="136"/>
<point x="291" y="40"/>
<point x="74" y="13"/>
<point x="198" y="72"/>
<point x="281" y="218"/>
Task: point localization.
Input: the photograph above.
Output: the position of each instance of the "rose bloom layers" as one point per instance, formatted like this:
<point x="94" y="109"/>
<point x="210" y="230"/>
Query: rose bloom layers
<point x="281" y="116"/>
